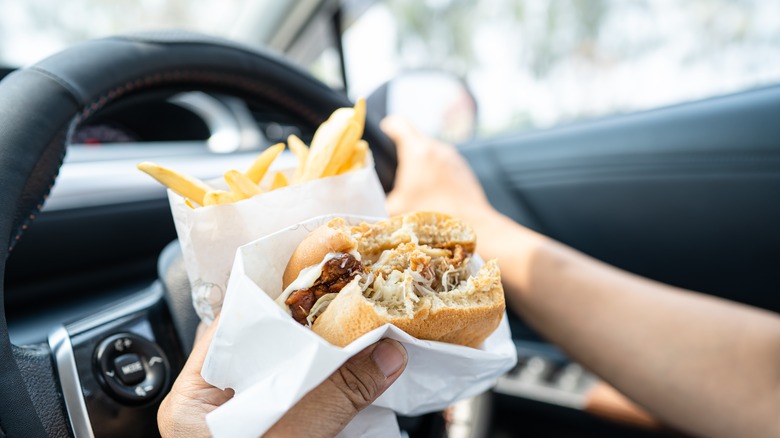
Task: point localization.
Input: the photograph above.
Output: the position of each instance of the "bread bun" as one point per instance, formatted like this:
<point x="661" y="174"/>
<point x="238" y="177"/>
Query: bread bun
<point x="415" y="276"/>
<point x="465" y="317"/>
<point x="425" y="227"/>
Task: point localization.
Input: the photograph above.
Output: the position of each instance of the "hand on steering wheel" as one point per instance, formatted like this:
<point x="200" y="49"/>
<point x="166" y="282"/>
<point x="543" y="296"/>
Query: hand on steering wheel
<point x="323" y="412"/>
<point x="432" y="175"/>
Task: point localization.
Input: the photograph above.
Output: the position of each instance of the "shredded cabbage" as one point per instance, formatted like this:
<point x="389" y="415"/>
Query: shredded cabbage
<point x="422" y="283"/>
<point x="319" y="307"/>
<point x="397" y="284"/>
<point x="366" y="281"/>
<point x="452" y="277"/>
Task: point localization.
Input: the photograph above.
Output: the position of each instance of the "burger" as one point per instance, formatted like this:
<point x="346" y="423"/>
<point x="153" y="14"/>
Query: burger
<point x="414" y="271"/>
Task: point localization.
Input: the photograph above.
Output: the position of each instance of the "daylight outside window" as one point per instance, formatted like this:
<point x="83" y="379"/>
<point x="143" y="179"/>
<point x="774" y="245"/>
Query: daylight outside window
<point x="529" y="63"/>
<point x="534" y="64"/>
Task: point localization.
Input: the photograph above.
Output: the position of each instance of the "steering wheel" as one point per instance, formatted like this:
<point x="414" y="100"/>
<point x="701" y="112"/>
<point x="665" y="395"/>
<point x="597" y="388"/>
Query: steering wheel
<point x="40" y="106"/>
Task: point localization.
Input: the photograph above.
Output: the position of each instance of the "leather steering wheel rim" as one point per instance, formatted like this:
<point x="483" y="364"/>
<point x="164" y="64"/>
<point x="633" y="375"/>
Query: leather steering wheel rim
<point x="41" y="105"/>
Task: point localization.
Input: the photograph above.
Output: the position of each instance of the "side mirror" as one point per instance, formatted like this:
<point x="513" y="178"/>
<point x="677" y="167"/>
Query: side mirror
<point x="438" y="103"/>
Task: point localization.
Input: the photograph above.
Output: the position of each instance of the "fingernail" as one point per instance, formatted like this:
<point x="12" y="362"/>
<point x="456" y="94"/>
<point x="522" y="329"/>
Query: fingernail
<point x="388" y="357"/>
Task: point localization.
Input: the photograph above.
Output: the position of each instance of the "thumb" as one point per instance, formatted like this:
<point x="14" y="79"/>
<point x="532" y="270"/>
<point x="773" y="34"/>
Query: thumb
<point x="325" y="410"/>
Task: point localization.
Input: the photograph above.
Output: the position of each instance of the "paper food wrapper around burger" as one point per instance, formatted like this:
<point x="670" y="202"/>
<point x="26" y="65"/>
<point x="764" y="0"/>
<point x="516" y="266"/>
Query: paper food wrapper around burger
<point x="210" y="236"/>
<point x="271" y="361"/>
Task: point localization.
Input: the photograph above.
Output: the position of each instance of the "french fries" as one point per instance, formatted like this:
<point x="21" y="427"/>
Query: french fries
<point x="301" y="152"/>
<point x="258" y="169"/>
<point x="279" y="181"/>
<point x="215" y="197"/>
<point x="336" y="148"/>
<point x="357" y="159"/>
<point x="335" y="142"/>
<point x="240" y="184"/>
<point x="359" y="116"/>
<point x="184" y="185"/>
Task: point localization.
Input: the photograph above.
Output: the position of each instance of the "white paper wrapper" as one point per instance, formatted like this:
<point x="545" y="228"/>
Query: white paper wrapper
<point x="272" y="361"/>
<point x="210" y="236"/>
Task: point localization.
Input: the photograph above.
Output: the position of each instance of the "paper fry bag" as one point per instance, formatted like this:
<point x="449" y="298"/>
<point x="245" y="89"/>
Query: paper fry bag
<point x="209" y="236"/>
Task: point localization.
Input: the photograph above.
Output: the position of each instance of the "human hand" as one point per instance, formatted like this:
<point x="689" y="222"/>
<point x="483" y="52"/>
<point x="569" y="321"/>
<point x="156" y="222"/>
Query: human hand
<point x="323" y="412"/>
<point x="433" y="176"/>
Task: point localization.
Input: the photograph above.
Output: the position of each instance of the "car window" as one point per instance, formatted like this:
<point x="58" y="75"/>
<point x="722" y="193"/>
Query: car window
<point x="33" y="29"/>
<point x="534" y="63"/>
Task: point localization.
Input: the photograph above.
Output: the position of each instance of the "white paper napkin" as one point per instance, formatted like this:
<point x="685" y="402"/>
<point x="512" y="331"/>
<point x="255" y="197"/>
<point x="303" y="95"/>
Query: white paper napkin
<point x="272" y="361"/>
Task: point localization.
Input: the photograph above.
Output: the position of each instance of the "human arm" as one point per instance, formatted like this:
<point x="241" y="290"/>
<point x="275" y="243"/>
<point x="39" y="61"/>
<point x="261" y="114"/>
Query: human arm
<point x="700" y="364"/>
<point x="323" y="412"/>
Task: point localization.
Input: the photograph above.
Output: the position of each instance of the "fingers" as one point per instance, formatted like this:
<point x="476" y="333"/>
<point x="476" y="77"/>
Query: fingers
<point x="183" y="411"/>
<point x="361" y="380"/>
<point x="190" y="380"/>
<point x="411" y="144"/>
<point x="399" y="129"/>
<point x="203" y="336"/>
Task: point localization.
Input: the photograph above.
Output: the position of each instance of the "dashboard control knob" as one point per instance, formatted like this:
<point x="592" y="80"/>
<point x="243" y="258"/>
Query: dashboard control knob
<point x="132" y="369"/>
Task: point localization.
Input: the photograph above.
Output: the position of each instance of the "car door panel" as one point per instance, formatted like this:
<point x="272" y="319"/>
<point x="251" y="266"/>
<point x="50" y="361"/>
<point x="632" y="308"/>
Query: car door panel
<point x="688" y="195"/>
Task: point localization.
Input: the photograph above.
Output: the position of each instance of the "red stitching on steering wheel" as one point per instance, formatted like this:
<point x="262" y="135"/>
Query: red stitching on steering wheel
<point x="198" y="76"/>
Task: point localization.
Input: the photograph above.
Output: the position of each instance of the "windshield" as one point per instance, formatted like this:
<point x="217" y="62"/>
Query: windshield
<point x="537" y="63"/>
<point x="30" y="30"/>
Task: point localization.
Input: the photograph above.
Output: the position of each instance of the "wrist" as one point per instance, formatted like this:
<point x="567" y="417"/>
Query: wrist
<point x="483" y="221"/>
<point x="496" y="234"/>
<point x="515" y="246"/>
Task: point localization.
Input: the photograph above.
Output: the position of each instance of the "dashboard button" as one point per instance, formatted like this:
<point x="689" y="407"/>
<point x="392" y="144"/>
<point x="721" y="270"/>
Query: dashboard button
<point x="129" y="369"/>
<point x="132" y="369"/>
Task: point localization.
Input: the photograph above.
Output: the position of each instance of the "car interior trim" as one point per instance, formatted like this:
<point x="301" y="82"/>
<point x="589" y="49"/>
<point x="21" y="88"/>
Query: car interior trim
<point x="76" y="187"/>
<point x="62" y="349"/>
<point x="129" y="306"/>
<point x="228" y="134"/>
